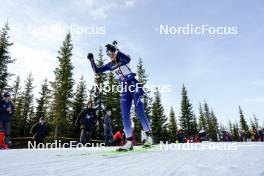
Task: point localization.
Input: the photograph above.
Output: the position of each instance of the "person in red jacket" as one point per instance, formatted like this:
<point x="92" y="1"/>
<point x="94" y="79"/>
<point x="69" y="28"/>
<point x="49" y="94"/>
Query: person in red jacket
<point x="2" y="137"/>
<point x="118" y="138"/>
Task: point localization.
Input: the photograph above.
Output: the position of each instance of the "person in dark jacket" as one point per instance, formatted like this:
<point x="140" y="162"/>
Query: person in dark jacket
<point x="39" y="131"/>
<point x="248" y="136"/>
<point x="7" y="110"/>
<point x="87" y="120"/>
<point x="180" y="136"/>
<point x="108" y="132"/>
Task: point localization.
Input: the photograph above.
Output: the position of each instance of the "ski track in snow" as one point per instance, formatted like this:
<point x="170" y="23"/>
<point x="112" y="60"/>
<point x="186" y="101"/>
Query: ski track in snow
<point x="247" y="160"/>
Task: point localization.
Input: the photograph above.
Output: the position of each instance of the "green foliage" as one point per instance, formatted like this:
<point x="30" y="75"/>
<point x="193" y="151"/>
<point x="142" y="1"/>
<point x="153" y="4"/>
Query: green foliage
<point x="187" y="117"/>
<point x="5" y="58"/>
<point x="42" y="103"/>
<point x="79" y="102"/>
<point x="113" y="102"/>
<point x="63" y="87"/>
<point x="172" y="126"/>
<point x="202" y="120"/>
<point x="142" y="79"/>
<point x="243" y="122"/>
<point x="25" y="108"/>
<point x="159" y="126"/>
<point x="98" y="95"/>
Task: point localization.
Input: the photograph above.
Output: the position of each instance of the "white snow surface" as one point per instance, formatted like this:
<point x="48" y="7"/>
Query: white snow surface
<point x="247" y="159"/>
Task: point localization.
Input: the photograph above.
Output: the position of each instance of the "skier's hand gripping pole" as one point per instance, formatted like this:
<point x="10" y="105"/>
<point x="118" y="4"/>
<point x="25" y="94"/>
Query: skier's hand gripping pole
<point x="90" y="57"/>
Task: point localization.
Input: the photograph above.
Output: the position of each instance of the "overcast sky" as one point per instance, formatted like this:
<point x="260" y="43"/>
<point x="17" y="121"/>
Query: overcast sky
<point x="225" y="70"/>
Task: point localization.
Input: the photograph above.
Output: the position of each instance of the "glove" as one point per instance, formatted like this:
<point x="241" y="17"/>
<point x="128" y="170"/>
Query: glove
<point x="90" y="56"/>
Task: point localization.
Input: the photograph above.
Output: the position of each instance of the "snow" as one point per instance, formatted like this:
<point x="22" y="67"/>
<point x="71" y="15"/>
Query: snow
<point x="245" y="159"/>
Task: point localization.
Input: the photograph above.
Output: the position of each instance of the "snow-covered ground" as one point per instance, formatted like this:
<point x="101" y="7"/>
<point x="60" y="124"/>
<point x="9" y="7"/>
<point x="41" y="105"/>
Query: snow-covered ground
<point x="244" y="159"/>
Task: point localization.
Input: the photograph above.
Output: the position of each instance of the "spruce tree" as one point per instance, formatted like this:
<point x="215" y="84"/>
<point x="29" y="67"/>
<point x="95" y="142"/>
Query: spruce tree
<point x="113" y="102"/>
<point x="158" y="118"/>
<point x="213" y="127"/>
<point x="27" y="107"/>
<point x="207" y="116"/>
<point x="243" y="122"/>
<point x="230" y="126"/>
<point x="79" y="102"/>
<point x="235" y="134"/>
<point x="42" y="102"/>
<point x="5" y="57"/>
<point x="172" y="126"/>
<point x="187" y="118"/>
<point x="98" y="96"/>
<point x="147" y="100"/>
<point x="63" y="87"/>
<point x="17" y="101"/>
<point x="254" y="122"/>
<point x="202" y="120"/>
<point x="211" y="123"/>
<point x="16" y="88"/>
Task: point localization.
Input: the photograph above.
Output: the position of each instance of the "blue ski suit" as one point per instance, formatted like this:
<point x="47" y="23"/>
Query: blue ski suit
<point x="135" y="93"/>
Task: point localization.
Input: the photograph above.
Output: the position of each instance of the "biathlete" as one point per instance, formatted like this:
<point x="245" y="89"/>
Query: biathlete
<point x="119" y="66"/>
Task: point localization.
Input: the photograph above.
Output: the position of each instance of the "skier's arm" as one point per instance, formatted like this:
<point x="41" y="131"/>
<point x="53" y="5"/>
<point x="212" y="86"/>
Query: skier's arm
<point x="97" y="69"/>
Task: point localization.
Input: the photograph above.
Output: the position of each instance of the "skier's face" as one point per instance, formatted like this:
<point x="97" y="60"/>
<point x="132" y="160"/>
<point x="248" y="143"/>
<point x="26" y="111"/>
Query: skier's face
<point x="112" y="55"/>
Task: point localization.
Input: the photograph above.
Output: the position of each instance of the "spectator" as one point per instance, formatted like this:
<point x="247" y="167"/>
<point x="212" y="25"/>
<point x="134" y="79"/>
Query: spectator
<point x="108" y="132"/>
<point x="203" y="135"/>
<point x="248" y="136"/>
<point x="39" y="131"/>
<point x="180" y="136"/>
<point x="6" y="112"/>
<point x="87" y="120"/>
<point x="118" y="138"/>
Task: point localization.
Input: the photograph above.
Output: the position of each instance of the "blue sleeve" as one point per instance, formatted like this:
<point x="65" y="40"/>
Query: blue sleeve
<point x="102" y="69"/>
<point x="123" y="58"/>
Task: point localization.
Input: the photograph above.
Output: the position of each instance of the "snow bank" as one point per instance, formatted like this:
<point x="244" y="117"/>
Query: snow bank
<point x="246" y="159"/>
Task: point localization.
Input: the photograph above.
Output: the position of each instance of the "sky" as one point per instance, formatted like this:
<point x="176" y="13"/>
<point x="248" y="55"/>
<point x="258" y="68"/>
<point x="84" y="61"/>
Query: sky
<point x="225" y="70"/>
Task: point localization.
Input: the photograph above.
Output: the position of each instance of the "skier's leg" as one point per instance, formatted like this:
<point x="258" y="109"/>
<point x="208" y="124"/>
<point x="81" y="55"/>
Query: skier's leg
<point x="126" y="103"/>
<point x="140" y="110"/>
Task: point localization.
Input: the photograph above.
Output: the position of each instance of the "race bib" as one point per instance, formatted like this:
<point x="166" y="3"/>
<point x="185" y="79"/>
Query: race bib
<point x="122" y="71"/>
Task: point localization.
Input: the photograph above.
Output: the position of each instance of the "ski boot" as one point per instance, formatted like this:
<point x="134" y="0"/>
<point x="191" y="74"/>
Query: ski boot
<point x="149" y="142"/>
<point x="128" y="146"/>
